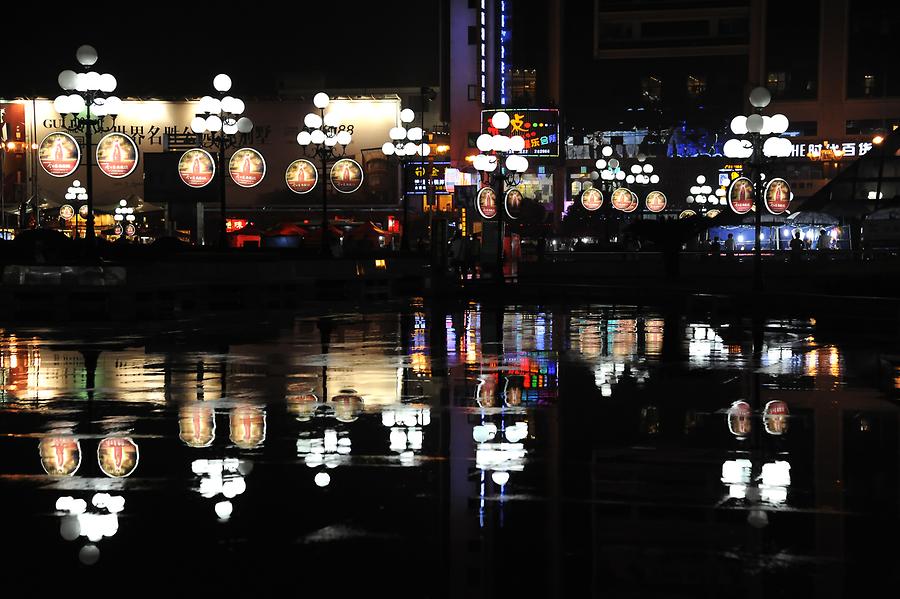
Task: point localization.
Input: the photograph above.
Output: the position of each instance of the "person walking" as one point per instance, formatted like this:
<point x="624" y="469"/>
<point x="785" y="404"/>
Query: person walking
<point x="796" y="247"/>
<point x="823" y="242"/>
<point x="729" y="246"/>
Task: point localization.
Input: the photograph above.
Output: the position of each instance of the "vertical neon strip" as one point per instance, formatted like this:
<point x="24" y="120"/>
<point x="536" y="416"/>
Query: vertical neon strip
<point x="504" y="45"/>
<point x="483" y="16"/>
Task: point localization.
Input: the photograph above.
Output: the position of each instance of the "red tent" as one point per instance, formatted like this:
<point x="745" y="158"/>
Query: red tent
<point x="287" y="229"/>
<point x="249" y="236"/>
<point x="315" y="235"/>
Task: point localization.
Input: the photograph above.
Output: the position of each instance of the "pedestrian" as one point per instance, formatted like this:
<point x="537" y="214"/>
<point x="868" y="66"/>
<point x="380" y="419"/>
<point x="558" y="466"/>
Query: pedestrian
<point x="729" y="245"/>
<point x="457" y="250"/>
<point x="823" y="242"/>
<point x="715" y="247"/>
<point x="797" y="246"/>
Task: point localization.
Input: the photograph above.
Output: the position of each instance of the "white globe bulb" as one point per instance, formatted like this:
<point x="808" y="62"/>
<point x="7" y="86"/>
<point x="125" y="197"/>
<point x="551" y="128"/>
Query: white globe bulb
<point x="607" y="151"/>
<point x="732" y="148"/>
<point x="76" y="103"/>
<point x="500" y="143"/>
<point x="344" y="138"/>
<point x="772" y="147"/>
<point x="321" y="100"/>
<point x="500" y="478"/>
<point x="86" y="55"/>
<point x="701" y="179"/>
<point x="397" y="133"/>
<point x="98" y="108"/>
<point x="511" y="162"/>
<point x="614" y="163"/>
<point x="755" y="123"/>
<point x="322" y="479"/>
<point x="517" y="143"/>
<point x="237" y="106"/>
<point x="629" y="179"/>
<point x="491" y="164"/>
<point x="93" y="80"/>
<point x="244" y="125"/>
<point x="410" y="148"/>
<point x="387" y="148"/>
<point x="689" y="199"/>
<point x="303" y="138"/>
<point x="695" y="189"/>
<point x="484" y="142"/>
<point x="523" y="164"/>
<point x="222" y="82"/>
<point x="66" y="79"/>
<point x="227" y="103"/>
<point x="654" y="179"/>
<point x="317" y="136"/>
<point x="213" y="123"/>
<point x="331" y="120"/>
<point x="500" y="120"/>
<point x="61" y="104"/>
<point x="214" y="105"/>
<point x="415" y="134"/>
<point x="779" y="123"/>
<point x="331" y="140"/>
<point x="635" y="169"/>
<point x="407" y="116"/>
<point x="648" y="168"/>
<point x="620" y="175"/>
<point x="113" y="105"/>
<point x="107" y="83"/>
<point x="313" y="121"/>
<point x="203" y="105"/>
<point x="224" y="509"/>
<point x="229" y="128"/>
<point x="739" y="125"/>
<point x="767" y="126"/>
<point x="81" y="82"/>
<point x="760" y="97"/>
<point x="424" y="149"/>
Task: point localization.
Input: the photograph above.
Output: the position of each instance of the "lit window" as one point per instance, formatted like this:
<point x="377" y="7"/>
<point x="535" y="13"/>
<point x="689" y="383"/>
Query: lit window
<point x="696" y="85"/>
<point x="777" y="82"/>
<point x="868" y="85"/>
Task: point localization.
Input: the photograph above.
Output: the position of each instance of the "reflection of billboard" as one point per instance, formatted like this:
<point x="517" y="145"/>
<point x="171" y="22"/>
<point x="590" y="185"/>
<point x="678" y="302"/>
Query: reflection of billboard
<point x="656" y="201"/>
<point x="60" y="456"/>
<point x="118" y="456"/>
<point x="512" y="201"/>
<point x="539" y="127"/>
<point x="486" y="202"/>
<point x="622" y="199"/>
<point x="592" y="199"/>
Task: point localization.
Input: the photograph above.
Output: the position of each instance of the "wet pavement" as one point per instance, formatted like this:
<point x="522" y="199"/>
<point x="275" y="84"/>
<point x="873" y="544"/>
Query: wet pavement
<point x="464" y="451"/>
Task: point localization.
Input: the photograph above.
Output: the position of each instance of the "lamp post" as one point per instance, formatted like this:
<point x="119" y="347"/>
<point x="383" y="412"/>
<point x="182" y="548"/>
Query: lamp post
<point x="91" y="92"/>
<point x="403" y="148"/>
<point x="217" y="123"/>
<point x="757" y="142"/>
<point x="320" y="138"/>
<point x="501" y="166"/>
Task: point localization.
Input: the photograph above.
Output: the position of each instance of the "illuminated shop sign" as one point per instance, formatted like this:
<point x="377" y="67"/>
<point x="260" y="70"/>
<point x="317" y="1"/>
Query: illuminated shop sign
<point x="539" y="127"/>
<point x="419" y="177"/>
<point x="851" y="149"/>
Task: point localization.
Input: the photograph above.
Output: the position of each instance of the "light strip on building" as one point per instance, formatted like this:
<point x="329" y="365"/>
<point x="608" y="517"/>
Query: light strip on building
<point x="483" y="53"/>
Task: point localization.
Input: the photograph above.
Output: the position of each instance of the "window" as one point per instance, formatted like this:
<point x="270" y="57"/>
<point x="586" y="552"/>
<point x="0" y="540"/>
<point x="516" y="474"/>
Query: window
<point x="696" y="85"/>
<point x="777" y="82"/>
<point x="868" y="85"/>
<point x="651" y="88"/>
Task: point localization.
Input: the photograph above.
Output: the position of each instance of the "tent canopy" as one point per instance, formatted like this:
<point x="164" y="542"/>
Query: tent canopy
<point x="287" y="229"/>
<point x="367" y="230"/>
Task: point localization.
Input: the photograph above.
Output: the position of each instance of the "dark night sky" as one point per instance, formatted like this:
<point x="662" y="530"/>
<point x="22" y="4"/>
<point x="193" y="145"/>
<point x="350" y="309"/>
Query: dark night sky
<point x="160" y="53"/>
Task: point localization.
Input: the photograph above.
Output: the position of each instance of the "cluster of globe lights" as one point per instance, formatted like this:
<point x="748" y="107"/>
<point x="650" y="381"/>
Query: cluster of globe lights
<point x="91" y="89"/>
<point x="702" y="193"/>
<point x="403" y="140"/>
<point x="322" y="129"/>
<point x="610" y="169"/>
<point x="500" y="144"/>
<point x="762" y="125"/>
<point x="123" y="212"/>
<point x="215" y="114"/>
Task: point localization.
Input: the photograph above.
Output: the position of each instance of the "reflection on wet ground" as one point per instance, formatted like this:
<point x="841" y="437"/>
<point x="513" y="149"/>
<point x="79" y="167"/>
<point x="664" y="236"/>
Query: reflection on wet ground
<point x="597" y="451"/>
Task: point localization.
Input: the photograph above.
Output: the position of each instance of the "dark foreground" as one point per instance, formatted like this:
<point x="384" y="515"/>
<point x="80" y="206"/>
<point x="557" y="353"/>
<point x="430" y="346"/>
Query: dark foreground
<point x="462" y="451"/>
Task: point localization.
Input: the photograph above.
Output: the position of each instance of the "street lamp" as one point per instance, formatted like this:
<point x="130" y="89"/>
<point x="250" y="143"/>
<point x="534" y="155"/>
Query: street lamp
<point x="757" y="142"/>
<point x="90" y="92"/>
<point x="217" y="123"/>
<point x="403" y="148"/>
<point x="321" y="135"/>
<point x="501" y="166"/>
<point x="124" y="218"/>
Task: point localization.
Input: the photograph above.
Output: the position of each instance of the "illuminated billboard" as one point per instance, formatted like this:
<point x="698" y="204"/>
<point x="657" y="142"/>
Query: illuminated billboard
<point x="539" y="127"/>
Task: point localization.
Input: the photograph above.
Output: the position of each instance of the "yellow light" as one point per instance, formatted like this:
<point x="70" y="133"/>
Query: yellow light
<point x="11" y="145"/>
<point x="470" y="158"/>
<point x="381" y="264"/>
<point x="34" y="146"/>
<point x="442" y="148"/>
<point x="877" y="139"/>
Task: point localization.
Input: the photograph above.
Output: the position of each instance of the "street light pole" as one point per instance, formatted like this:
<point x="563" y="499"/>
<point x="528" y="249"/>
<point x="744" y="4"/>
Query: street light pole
<point x="403" y="148"/>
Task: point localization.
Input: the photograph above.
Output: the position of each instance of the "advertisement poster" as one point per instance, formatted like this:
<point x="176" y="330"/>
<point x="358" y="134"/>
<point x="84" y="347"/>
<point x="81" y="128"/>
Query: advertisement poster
<point x="59" y="154"/>
<point x="740" y="195"/>
<point x="635" y="202"/>
<point x="301" y="176"/>
<point x="486" y="202"/>
<point x="538" y="126"/>
<point x="656" y="201"/>
<point x="513" y="203"/>
<point x="592" y="199"/>
<point x="777" y="196"/>
<point x="118" y="456"/>
<point x="196" y="168"/>
<point x="247" y="167"/>
<point x="621" y="199"/>
<point x="248" y="427"/>
<point x="117" y="155"/>
<point x="197" y="425"/>
<point x="60" y="456"/>
<point x="66" y="212"/>
<point x="346" y="175"/>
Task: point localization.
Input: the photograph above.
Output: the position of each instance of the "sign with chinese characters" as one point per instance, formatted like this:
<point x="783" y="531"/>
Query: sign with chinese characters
<point x="59" y="154"/>
<point x="196" y="168"/>
<point x="621" y="199"/>
<point x="851" y="149"/>
<point x="419" y="177"/>
<point x="118" y="456"/>
<point x="486" y="202"/>
<point x="346" y="175"/>
<point x="539" y="127"/>
<point x="301" y="176"/>
<point x="60" y="456"/>
<point x="775" y="417"/>
<point x="777" y="196"/>
<point x="655" y="201"/>
<point x="117" y="155"/>
<point x="247" y="167"/>
<point x="512" y="201"/>
<point x="740" y="195"/>
<point x="592" y="199"/>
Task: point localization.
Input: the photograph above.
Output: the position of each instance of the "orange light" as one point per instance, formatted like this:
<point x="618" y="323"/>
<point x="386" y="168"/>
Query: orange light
<point x="11" y="145"/>
<point x="442" y="148"/>
<point x="470" y="158"/>
<point x="877" y="139"/>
